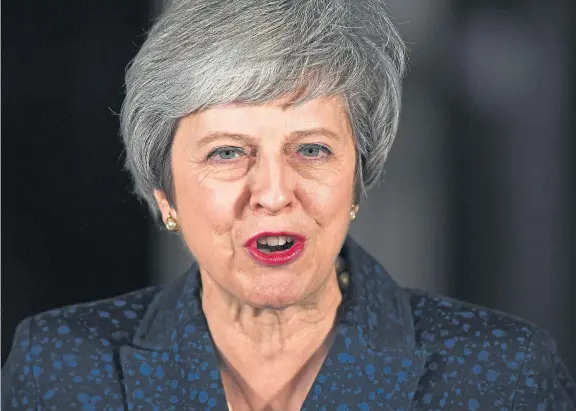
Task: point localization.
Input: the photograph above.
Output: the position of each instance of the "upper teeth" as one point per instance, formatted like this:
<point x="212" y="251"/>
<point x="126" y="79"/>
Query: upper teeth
<point x="273" y="241"/>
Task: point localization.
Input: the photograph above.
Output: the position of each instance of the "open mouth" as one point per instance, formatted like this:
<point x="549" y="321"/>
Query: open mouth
<point x="274" y="244"/>
<point x="275" y="248"/>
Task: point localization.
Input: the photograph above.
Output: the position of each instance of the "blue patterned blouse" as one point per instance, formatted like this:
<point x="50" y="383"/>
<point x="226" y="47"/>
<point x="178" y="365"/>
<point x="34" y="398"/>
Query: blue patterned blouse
<point x="395" y="349"/>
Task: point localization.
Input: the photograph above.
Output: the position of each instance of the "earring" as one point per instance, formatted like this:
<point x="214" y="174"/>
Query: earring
<point x="171" y="224"/>
<point x="353" y="212"/>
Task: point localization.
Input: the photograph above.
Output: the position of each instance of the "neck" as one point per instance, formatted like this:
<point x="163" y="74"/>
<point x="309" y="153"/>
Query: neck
<point x="270" y="357"/>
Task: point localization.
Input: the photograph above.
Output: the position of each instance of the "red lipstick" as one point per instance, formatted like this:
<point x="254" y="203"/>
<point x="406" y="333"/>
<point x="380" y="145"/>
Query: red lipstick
<point x="276" y="257"/>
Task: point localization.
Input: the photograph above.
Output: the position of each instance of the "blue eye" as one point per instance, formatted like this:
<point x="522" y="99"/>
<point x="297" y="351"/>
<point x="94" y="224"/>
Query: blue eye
<point x="314" y="150"/>
<point x="225" y="153"/>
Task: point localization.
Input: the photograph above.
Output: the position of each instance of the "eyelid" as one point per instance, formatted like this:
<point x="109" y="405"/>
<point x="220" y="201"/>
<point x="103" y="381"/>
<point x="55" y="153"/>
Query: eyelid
<point x="241" y="151"/>
<point x="316" y="145"/>
<point x="218" y="149"/>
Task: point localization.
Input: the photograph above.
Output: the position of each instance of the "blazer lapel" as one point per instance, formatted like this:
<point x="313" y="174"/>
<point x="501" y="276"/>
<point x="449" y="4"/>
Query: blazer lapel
<point x="172" y="364"/>
<point x="355" y="376"/>
<point x="374" y="363"/>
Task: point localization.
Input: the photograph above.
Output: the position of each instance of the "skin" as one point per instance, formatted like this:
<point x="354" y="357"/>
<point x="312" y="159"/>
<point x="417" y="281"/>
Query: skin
<point x="229" y="188"/>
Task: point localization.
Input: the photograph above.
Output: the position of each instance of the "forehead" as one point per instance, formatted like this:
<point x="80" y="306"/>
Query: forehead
<point x="279" y="115"/>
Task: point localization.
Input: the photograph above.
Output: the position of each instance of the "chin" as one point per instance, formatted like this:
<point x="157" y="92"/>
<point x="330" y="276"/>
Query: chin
<point x="278" y="306"/>
<point x="275" y="295"/>
<point x="273" y="301"/>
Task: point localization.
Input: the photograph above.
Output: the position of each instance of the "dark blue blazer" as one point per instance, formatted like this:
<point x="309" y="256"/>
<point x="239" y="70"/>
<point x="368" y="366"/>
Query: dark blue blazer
<point x="395" y="349"/>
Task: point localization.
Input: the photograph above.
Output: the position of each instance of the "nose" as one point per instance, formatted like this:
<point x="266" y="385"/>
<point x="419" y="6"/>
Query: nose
<point x="271" y="185"/>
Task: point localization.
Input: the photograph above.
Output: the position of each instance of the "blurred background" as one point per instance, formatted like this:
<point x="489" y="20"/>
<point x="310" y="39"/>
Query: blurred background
<point x="479" y="198"/>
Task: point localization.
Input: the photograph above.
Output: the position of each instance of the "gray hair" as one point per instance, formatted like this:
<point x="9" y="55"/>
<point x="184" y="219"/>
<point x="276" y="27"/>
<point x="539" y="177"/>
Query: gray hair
<point x="204" y="53"/>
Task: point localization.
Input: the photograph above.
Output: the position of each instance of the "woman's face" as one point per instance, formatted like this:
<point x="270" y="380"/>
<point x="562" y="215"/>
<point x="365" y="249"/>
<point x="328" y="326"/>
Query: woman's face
<point x="249" y="178"/>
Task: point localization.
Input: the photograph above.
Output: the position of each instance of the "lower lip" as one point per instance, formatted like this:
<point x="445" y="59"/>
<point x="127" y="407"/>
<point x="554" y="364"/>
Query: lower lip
<point x="278" y="257"/>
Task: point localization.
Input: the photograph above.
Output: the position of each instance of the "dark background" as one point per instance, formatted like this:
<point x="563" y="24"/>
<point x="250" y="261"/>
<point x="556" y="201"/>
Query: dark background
<point x="491" y="91"/>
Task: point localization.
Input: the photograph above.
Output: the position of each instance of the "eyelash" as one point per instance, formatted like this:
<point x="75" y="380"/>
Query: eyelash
<point x="217" y="150"/>
<point x="314" y="146"/>
<point x="320" y="147"/>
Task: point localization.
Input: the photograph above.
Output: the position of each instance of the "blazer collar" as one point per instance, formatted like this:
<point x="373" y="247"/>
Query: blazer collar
<point x="374" y="304"/>
<point x="373" y="362"/>
<point x="374" y="340"/>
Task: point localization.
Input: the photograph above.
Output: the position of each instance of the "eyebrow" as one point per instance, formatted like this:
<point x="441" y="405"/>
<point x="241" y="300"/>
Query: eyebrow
<point x="295" y="135"/>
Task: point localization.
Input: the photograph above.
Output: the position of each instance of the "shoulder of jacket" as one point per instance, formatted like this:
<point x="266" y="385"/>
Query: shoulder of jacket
<point x="107" y="321"/>
<point x="450" y="321"/>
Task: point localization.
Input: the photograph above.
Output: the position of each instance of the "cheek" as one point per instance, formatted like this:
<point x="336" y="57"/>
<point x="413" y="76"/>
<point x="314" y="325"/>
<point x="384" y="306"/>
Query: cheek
<point x="204" y="202"/>
<point x="330" y="197"/>
<point x="207" y="216"/>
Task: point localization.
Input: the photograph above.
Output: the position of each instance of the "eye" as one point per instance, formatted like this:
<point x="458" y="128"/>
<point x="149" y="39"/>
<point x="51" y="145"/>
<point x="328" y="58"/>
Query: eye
<point x="314" y="150"/>
<point x="225" y="153"/>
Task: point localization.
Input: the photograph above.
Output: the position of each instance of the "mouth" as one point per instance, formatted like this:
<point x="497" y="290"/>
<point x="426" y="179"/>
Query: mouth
<point x="275" y="248"/>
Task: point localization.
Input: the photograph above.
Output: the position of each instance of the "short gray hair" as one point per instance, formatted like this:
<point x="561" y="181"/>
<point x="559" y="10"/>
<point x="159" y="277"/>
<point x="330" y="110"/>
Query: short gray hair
<point x="204" y="53"/>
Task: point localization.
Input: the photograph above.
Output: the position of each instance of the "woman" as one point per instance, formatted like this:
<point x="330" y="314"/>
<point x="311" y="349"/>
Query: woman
<point x="252" y="129"/>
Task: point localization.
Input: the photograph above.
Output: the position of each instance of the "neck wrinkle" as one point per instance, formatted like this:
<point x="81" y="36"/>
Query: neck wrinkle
<point x="272" y="361"/>
<point x="227" y="315"/>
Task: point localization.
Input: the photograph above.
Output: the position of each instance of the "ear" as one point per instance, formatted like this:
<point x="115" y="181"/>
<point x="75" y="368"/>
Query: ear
<point x="163" y="205"/>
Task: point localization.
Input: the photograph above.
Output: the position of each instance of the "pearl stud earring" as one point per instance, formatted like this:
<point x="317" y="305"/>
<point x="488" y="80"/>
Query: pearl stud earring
<point x="353" y="212"/>
<point x="171" y="224"/>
